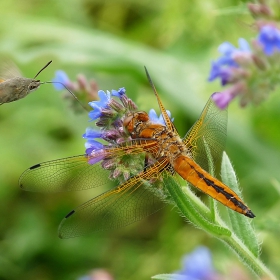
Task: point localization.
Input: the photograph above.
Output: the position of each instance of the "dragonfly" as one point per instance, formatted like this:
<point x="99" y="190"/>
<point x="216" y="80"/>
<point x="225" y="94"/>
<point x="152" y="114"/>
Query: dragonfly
<point x="166" y="155"/>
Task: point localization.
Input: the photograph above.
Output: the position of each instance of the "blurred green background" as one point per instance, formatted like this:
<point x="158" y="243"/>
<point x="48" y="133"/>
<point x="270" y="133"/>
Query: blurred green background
<point x="111" y="41"/>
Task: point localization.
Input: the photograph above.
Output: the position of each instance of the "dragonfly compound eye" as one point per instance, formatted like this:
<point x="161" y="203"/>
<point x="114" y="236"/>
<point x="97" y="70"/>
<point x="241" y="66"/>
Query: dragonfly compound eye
<point x="142" y="116"/>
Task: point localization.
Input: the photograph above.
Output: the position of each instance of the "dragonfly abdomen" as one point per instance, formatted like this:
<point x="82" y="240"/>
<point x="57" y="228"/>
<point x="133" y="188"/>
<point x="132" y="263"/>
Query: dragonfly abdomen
<point x="201" y="179"/>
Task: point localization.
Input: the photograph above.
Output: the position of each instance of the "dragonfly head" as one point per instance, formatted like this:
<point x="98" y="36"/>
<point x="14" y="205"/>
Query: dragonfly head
<point x="132" y="120"/>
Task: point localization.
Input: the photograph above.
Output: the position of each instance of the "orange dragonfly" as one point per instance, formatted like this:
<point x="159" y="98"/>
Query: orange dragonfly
<point x="162" y="153"/>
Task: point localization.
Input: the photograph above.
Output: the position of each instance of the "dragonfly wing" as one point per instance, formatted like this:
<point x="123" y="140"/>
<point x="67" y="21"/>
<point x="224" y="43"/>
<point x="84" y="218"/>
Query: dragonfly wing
<point x="67" y="174"/>
<point x="127" y="203"/>
<point x="75" y="173"/>
<point x="168" y="122"/>
<point x="211" y="127"/>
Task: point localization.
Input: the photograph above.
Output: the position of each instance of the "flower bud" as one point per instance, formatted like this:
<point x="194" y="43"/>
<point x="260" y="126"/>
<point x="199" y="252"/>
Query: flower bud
<point x="259" y="10"/>
<point x="82" y="81"/>
<point x="116" y="106"/>
<point x="259" y="62"/>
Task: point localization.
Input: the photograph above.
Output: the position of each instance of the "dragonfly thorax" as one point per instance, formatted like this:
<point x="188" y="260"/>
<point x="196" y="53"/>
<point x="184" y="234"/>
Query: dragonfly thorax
<point x="134" y="121"/>
<point x="170" y="144"/>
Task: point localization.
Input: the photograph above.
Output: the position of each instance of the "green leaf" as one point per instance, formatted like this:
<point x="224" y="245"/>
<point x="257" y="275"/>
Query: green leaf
<point x="191" y="208"/>
<point x="212" y="202"/>
<point x="240" y="224"/>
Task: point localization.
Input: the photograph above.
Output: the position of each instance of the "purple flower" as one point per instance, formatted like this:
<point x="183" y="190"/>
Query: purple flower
<point x="222" y="99"/>
<point x="99" y="105"/>
<point x="269" y="38"/>
<point x="118" y="93"/>
<point x="197" y="266"/>
<point x="94" y="149"/>
<point x="219" y="70"/>
<point x="60" y="77"/>
<point x="159" y="120"/>
<point x="228" y="49"/>
<point x="224" y="66"/>
<point x="92" y="144"/>
<point x="92" y="134"/>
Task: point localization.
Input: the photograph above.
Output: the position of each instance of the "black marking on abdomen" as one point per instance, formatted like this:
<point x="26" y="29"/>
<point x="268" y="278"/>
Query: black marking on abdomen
<point x="35" y="166"/>
<point x="227" y="195"/>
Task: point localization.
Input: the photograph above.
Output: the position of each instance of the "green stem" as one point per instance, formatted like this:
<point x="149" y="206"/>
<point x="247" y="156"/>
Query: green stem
<point x="247" y="257"/>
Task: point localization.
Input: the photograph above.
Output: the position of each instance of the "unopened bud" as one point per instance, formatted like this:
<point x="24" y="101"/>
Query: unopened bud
<point x="116" y="173"/>
<point x="259" y="62"/>
<point x="242" y="58"/>
<point x="259" y="9"/>
<point x="93" y="90"/>
<point x="107" y="113"/>
<point x="108" y="164"/>
<point x="126" y="174"/>
<point x="128" y="103"/>
<point x="111" y="135"/>
<point x="82" y="81"/>
<point x="116" y="106"/>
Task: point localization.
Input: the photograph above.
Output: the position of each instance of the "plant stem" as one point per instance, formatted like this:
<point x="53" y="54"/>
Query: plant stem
<point x="247" y="257"/>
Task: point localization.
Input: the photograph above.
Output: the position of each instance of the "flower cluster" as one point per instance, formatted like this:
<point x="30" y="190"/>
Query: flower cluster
<point x="252" y="70"/>
<point x="108" y="114"/>
<point x="226" y="67"/>
<point x="83" y="89"/>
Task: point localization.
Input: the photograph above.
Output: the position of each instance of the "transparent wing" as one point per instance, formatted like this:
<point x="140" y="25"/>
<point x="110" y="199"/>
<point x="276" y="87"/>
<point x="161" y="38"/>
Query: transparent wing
<point x="75" y="173"/>
<point x="129" y="202"/>
<point x="211" y="127"/>
<point x="9" y="70"/>
<point x="67" y="174"/>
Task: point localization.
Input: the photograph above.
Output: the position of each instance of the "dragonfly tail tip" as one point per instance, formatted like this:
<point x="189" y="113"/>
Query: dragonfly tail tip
<point x="250" y="214"/>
